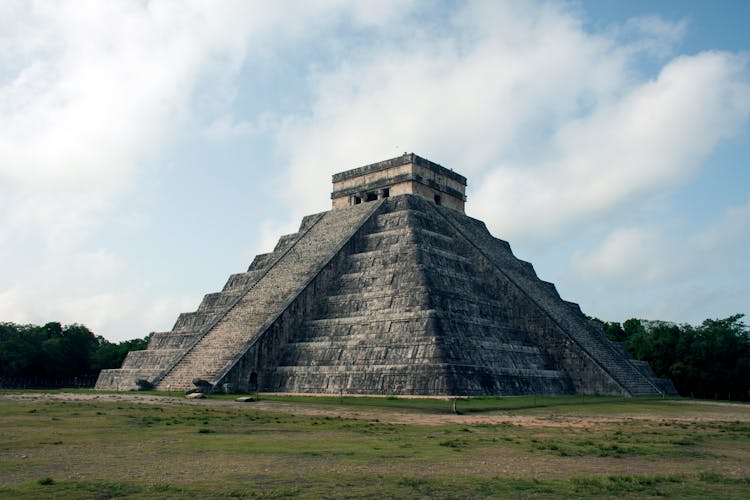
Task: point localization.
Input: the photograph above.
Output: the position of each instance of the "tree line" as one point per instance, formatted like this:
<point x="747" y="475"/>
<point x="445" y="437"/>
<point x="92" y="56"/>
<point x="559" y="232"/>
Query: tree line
<point x="56" y="352"/>
<point x="711" y="360"/>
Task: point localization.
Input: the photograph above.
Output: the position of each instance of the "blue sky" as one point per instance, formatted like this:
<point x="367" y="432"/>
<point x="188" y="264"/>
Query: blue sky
<point x="150" y="149"/>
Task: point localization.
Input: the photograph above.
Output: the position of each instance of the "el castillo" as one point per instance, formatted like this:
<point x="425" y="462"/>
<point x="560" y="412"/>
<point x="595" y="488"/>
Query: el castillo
<point x="393" y="291"/>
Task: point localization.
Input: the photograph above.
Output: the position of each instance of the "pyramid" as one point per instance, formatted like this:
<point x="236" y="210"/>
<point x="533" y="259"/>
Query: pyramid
<point x="393" y="291"/>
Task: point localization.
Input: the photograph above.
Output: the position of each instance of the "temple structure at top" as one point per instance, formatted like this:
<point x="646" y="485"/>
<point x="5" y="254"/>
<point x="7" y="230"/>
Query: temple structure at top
<point x="406" y="174"/>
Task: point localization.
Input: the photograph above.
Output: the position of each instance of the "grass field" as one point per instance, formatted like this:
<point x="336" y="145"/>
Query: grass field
<point x="92" y="445"/>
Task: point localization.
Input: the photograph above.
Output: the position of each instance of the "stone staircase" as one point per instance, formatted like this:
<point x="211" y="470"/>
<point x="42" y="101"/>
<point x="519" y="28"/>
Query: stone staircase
<point x="282" y="276"/>
<point x="385" y="325"/>
<point x="566" y="315"/>
<point x="165" y="349"/>
<point x="398" y="296"/>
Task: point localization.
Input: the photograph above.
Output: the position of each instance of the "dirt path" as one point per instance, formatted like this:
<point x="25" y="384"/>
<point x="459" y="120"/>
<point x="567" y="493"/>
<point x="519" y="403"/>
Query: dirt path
<point x="401" y="416"/>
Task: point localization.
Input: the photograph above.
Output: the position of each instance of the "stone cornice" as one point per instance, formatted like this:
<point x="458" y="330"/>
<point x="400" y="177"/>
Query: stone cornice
<point x="404" y="159"/>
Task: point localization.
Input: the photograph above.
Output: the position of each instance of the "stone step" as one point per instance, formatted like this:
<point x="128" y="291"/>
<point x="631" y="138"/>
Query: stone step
<point x="285" y="242"/>
<point x="364" y="341"/>
<point x="414" y="379"/>
<point x="405" y="276"/>
<point x="395" y="316"/>
<point x="407" y="330"/>
<point x="354" y="340"/>
<point x="192" y="322"/>
<point x="188" y="325"/>
<point x="320" y="352"/>
<point x="123" y="379"/>
<point x="334" y="296"/>
<point x="384" y="300"/>
<point x="360" y="337"/>
<point x="239" y="281"/>
<point x="332" y="356"/>
<point x="385" y="260"/>
<point x="407" y="255"/>
<point x="267" y="298"/>
<point x="309" y="221"/>
<point x="453" y="321"/>
<point x="218" y="301"/>
<point x="374" y="368"/>
<point x="401" y="236"/>
<point x="406" y="217"/>
<point x="158" y="339"/>
<point x="156" y="359"/>
<point x="449" y="272"/>
<point x="567" y="316"/>
<point x="417" y="299"/>
<point x="263" y="261"/>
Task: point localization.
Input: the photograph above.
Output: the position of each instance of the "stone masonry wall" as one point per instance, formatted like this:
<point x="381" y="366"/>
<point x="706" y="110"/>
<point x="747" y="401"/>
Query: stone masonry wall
<point x="594" y="366"/>
<point x="397" y="296"/>
<point x="400" y="310"/>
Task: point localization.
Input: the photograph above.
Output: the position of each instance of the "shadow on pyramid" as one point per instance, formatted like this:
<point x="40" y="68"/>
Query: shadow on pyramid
<point x="393" y="291"/>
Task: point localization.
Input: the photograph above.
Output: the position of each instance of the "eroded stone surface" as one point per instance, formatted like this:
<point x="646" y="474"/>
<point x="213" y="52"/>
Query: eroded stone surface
<point x="395" y="296"/>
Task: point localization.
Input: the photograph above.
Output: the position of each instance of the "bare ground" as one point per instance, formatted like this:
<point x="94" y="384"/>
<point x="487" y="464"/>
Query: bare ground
<point x="492" y="462"/>
<point x="695" y="411"/>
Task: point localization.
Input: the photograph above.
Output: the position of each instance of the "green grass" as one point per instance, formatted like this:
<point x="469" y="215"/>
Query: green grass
<point x="401" y="486"/>
<point x="445" y="405"/>
<point x="92" y="449"/>
<point x="525" y="405"/>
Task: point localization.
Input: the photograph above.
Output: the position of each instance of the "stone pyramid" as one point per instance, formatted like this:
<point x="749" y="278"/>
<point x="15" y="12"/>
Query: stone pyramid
<point x="393" y="291"/>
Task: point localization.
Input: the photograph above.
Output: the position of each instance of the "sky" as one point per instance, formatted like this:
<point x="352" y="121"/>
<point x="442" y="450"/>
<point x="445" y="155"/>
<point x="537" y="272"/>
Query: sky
<point x="149" y="149"/>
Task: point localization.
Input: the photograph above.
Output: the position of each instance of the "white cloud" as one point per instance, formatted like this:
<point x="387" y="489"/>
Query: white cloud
<point x="634" y="254"/>
<point x="551" y="123"/>
<point x="665" y="272"/>
<point x="654" y="137"/>
<point x="651" y="34"/>
<point x="117" y="315"/>
<point x="556" y="127"/>
<point x="158" y="315"/>
<point x="105" y="87"/>
<point x="733" y="225"/>
<point x="95" y="288"/>
<point x="90" y="94"/>
<point x="101" y="86"/>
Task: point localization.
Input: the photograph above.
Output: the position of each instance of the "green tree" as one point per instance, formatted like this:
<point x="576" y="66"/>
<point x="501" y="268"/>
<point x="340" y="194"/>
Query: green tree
<point x="109" y="355"/>
<point x="710" y="360"/>
<point x="55" y="352"/>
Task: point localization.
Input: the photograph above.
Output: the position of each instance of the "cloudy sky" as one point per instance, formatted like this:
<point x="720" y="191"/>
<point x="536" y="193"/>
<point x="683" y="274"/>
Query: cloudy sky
<point x="148" y="149"/>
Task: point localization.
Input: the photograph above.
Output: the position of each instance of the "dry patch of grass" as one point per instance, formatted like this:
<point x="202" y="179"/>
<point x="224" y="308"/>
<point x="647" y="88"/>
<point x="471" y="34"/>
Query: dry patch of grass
<point x="153" y="447"/>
